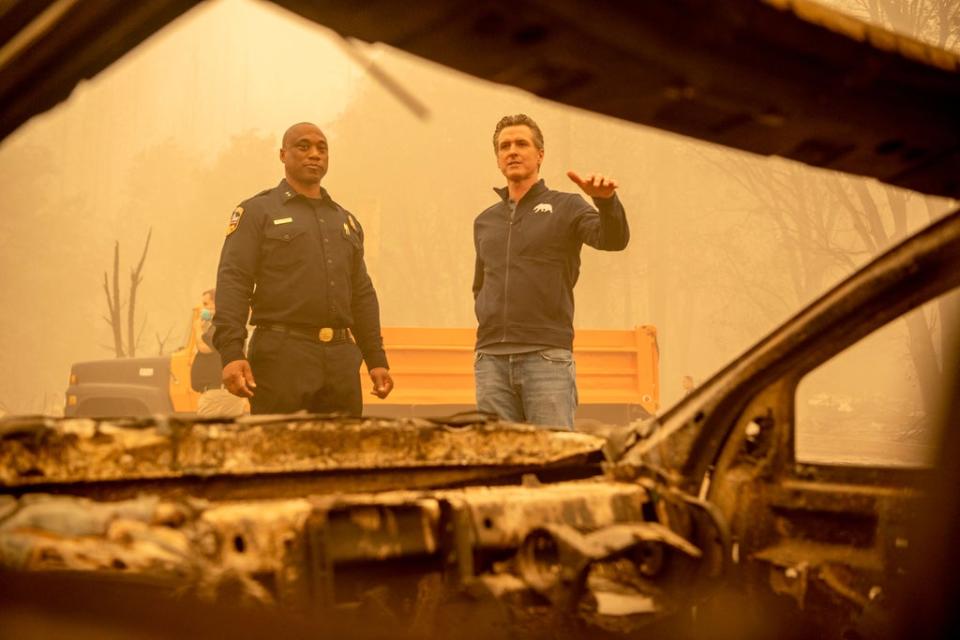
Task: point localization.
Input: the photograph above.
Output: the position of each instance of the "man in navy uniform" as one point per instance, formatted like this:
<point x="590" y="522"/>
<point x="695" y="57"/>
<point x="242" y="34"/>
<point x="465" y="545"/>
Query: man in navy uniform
<point x="293" y="260"/>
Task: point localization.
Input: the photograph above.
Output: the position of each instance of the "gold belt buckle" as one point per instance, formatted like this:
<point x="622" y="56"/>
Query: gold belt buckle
<point x="326" y="334"/>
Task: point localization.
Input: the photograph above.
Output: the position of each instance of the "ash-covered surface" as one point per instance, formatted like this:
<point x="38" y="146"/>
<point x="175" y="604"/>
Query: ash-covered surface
<point x="44" y="451"/>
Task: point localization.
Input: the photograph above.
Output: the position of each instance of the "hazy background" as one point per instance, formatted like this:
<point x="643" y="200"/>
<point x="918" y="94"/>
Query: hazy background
<point x="725" y="245"/>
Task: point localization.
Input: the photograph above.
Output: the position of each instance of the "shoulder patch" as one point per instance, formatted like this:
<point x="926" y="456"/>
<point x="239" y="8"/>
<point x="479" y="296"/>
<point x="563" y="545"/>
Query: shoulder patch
<point x="353" y="223"/>
<point x="234" y="220"/>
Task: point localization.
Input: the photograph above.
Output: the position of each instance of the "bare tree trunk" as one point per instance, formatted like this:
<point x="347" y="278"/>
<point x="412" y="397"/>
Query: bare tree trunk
<point x="943" y="21"/>
<point x="898" y="207"/>
<point x="923" y="351"/>
<point x="920" y="342"/>
<point x="113" y="302"/>
<point x="949" y="309"/>
<point x="133" y="338"/>
<point x="924" y="358"/>
<point x="872" y="214"/>
<point x="162" y="342"/>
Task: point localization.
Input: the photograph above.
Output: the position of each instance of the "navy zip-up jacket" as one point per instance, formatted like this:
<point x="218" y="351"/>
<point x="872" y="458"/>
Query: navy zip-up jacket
<point x="527" y="267"/>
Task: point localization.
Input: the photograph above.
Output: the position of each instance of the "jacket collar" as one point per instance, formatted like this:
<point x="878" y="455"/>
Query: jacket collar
<point x="535" y="190"/>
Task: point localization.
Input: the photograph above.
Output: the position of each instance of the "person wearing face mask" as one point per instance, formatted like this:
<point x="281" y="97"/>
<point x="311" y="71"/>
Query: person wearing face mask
<point x="214" y="401"/>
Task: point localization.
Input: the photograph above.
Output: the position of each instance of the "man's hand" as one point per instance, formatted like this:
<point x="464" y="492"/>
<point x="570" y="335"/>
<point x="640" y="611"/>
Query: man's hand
<point x="595" y="185"/>
<point x="238" y="379"/>
<point x="382" y="382"/>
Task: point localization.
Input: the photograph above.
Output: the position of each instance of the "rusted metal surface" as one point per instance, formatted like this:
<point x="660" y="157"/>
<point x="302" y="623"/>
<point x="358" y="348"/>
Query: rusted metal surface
<point x="816" y="547"/>
<point x="257" y="457"/>
<point x="622" y="550"/>
<point x="332" y="552"/>
<point x="619" y="551"/>
<point x="505" y="514"/>
<point x="556" y="561"/>
<point x="336" y="550"/>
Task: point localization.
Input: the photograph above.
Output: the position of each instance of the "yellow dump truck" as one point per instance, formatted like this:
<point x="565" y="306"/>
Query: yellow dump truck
<point x="617" y="377"/>
<point x="617" y="373"/>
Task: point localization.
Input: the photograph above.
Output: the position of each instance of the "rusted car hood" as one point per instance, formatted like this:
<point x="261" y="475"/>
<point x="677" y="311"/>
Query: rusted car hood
<point x="274" y="456"/>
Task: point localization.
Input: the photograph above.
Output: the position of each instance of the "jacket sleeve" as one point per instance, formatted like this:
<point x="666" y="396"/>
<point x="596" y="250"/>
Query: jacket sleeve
<point x="365" y="309"/>
<point x="236" y="275"/>
<point x="605" y="227"/>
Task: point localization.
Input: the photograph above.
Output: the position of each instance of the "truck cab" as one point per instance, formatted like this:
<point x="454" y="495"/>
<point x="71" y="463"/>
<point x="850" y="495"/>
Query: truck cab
<point x="134" y="387"/>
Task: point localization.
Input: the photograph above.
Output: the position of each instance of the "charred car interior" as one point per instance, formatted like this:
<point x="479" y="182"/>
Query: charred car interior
<point x="704" y="521"/>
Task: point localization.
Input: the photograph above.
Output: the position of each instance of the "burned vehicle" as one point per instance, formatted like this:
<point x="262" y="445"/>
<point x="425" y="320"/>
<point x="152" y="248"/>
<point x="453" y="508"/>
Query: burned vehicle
<point x="470" y="526"/>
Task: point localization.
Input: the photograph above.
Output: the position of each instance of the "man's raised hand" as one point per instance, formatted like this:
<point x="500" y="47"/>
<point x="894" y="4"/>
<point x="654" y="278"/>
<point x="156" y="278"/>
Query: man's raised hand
<point x="594" y="185"/>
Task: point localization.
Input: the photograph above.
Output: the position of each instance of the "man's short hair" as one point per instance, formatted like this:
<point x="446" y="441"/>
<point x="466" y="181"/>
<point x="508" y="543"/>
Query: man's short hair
<point x="513" y="121"/>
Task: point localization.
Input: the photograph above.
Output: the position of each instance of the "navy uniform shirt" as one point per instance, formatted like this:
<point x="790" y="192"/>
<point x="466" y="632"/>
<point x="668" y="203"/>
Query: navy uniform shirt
<point x="295" y="261"/>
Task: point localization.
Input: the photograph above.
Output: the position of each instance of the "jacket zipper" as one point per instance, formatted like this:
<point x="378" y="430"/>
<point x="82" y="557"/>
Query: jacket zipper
<point x="506" y="277"/>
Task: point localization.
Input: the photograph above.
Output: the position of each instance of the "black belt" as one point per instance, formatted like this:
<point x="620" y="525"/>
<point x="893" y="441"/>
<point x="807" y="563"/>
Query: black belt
<point x="317" y="334"/>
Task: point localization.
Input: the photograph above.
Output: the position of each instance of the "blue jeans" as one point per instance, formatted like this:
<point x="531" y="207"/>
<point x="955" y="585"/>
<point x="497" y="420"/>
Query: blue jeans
<point x="539" y="387"/>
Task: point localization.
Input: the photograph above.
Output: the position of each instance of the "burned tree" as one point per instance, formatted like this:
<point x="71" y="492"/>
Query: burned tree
<point x="114" y="305"/>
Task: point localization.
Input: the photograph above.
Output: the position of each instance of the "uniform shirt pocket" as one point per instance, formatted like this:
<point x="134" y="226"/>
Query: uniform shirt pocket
<point x="283" y="232"/>
<point x="284" y="245"/>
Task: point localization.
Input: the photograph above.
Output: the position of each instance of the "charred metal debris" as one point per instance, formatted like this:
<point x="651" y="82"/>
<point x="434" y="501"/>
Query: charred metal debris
<point x="412" y="520"/>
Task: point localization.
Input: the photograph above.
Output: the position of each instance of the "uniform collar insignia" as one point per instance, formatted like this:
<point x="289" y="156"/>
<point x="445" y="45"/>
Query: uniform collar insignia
<point x="288" y="193"/>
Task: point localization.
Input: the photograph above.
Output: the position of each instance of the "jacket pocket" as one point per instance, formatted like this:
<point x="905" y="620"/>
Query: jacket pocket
<point x="488" y="306"/>
<point x="539" y="291"/>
